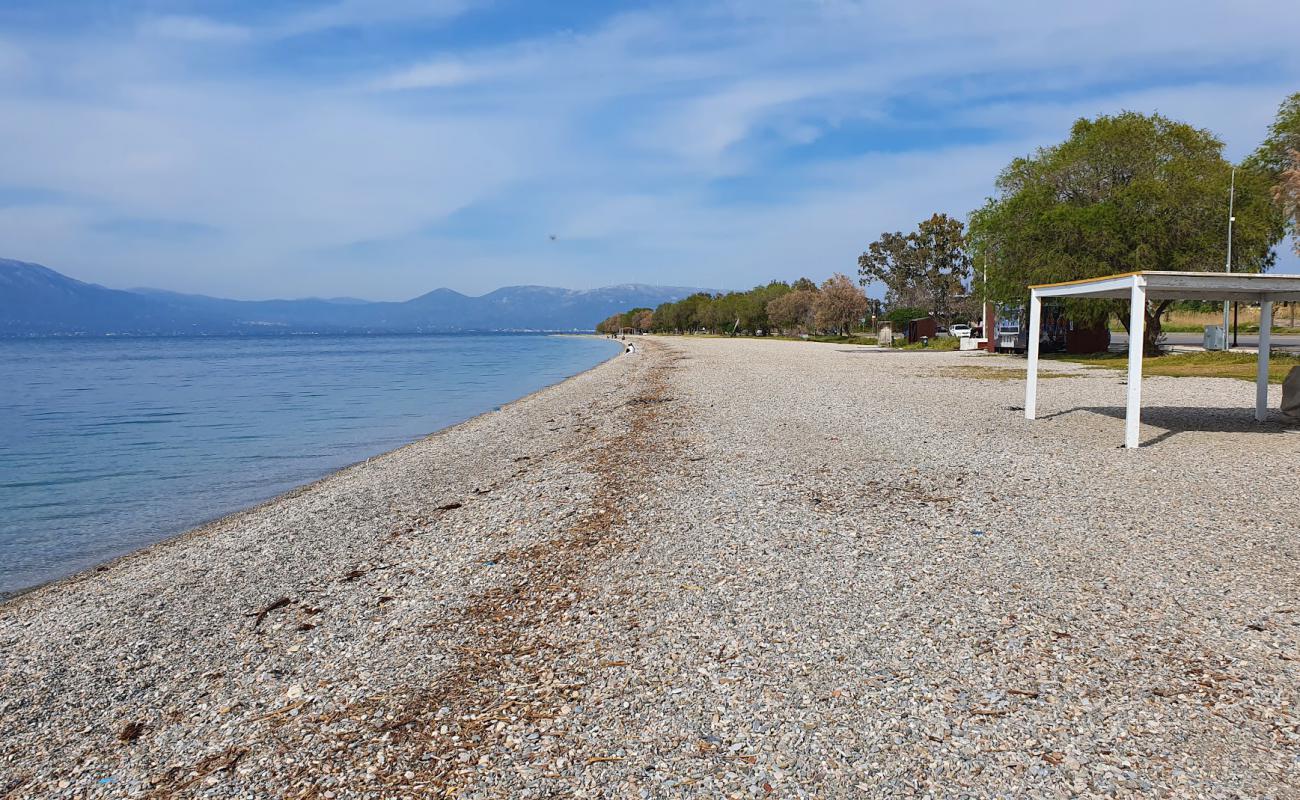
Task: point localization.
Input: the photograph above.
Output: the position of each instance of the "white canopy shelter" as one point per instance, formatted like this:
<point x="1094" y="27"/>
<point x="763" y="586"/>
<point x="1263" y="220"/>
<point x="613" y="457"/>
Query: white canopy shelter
<point x="1138" y="288"/>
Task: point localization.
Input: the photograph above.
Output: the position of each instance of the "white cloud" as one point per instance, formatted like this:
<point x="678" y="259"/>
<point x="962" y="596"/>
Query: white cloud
<point x="369" y="13"/>
<point x="193" y="29"/>
<point x="438" y="74"/>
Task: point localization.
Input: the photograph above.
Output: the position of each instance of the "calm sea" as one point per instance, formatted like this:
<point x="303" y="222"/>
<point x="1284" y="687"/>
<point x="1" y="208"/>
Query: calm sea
<point x="110" y="444"/>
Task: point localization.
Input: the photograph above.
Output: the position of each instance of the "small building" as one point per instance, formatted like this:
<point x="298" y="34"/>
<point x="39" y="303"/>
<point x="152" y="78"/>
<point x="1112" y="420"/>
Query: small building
<point x="921" y="327"/>
<point x="1084" y="339"/>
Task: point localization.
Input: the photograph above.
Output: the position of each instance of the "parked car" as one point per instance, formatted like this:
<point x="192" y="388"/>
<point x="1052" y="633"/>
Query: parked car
<point x="960" y="330"/>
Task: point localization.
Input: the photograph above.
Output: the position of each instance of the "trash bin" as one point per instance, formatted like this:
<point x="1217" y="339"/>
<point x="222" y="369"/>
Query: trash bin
<point x="1214" y="338"/>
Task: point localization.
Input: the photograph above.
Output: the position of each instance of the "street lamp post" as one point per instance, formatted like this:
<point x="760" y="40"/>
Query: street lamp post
<point x="1232" y="194"/>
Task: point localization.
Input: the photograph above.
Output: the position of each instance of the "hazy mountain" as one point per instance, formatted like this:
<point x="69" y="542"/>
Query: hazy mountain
<point x="36" y="300"/>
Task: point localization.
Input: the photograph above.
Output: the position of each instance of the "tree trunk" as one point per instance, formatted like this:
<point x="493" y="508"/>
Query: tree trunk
<point x="1152" y="328"/>
<point x="1154" y="315"/>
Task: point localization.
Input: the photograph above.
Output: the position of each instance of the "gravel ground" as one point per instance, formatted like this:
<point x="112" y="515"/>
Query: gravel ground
<point x="713" y="568"/>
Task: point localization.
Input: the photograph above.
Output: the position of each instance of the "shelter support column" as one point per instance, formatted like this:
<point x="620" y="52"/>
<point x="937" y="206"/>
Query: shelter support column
<point x="1261" y="367"/>
<point x="1031" y="349"/>
<point x="1136" y="344"/>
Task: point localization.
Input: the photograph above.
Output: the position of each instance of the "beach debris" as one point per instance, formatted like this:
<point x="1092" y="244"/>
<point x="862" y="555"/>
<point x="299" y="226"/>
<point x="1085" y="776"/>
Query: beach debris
<point x="450" y="506"/>
<point x="220" y="762"/>
<point x="274" y="605"/>
<point x="130" y="731"/>
<point x="282" y="710"/>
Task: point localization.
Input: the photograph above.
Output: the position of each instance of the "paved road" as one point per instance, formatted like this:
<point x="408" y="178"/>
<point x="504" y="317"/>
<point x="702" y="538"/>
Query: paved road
<point x="1280" y="343"/>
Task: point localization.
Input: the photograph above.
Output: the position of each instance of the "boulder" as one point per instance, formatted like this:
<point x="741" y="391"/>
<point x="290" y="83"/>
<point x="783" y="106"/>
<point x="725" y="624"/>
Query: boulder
<point x="1291" y="395"/>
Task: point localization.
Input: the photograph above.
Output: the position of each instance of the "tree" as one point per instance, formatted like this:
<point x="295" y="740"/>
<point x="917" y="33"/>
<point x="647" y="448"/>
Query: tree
<point x="899" y="316"/>
<point x="1278" y="161"/>
<point x="610" y="324"/>
<point x="755" y="314"/>
<point x="927" y="268"/>
<point x="1124" y="193"/>
<point x="1273" y="156"/>
<point x="945" y="267"/>
<point x="891" y="260"/>
<point x="1287" y="195"/>
<point x="793" y="311"/>
<point x="839" y="304"/>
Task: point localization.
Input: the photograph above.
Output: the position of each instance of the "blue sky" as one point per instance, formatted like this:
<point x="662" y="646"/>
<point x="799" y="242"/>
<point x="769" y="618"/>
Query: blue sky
<point x="380" y="148"/>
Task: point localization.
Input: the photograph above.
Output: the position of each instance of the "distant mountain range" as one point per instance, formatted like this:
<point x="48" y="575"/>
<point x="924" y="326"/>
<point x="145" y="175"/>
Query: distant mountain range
<point x="37" y="301"/>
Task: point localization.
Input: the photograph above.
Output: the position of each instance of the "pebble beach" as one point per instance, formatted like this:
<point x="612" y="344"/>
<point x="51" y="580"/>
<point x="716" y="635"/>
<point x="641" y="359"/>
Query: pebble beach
<point x="711" y="568"/>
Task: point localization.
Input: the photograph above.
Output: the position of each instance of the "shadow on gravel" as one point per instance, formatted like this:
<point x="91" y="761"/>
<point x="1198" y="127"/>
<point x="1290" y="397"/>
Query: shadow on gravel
<point x="1192" y="419"/>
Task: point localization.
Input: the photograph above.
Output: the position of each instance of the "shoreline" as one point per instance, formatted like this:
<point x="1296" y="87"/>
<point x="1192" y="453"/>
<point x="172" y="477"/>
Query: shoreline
<point x="706" y="569"/>
<point x="231" y="516"/>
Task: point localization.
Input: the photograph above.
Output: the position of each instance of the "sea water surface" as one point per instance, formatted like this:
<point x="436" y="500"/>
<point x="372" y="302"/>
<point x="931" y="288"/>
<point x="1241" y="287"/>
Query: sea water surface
<point x="110" y="444"/>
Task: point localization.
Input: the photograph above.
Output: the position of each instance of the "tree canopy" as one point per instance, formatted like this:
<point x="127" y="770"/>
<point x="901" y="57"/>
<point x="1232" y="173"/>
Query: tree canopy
<point x="1124" y="193"/>
<point x="1287" y="194"/>
<point x="836" y="306"/>
<point x="1278" y="159"/>
<point x="1273" y="156"/>
<point x="840" y="305"/>
<point x="927" y="268"/>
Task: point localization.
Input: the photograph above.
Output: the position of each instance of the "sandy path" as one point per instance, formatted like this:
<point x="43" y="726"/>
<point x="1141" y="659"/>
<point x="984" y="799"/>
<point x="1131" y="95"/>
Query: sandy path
<point x="717" y="567"/>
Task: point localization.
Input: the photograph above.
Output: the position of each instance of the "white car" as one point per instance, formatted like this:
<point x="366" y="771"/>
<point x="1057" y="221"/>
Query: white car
<point x="960" y="331"/>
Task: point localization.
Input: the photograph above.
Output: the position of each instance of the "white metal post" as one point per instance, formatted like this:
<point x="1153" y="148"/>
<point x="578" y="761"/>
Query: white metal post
<point x="1136" y="342"/>
<point x="1232" y="196"/>
<point x="1031" y="349"/>
<point x="1261" y="369"/>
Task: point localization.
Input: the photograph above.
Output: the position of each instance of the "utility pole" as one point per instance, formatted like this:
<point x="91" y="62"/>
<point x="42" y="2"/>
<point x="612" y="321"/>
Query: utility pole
<point x="1232" y="195"/>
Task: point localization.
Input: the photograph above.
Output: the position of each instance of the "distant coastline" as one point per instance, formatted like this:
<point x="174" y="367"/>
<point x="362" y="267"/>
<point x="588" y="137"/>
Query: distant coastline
<point x="38" y="301"/>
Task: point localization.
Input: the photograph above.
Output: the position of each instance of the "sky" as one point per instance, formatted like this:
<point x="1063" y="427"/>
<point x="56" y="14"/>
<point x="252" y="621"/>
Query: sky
<point x="382" y="148"/>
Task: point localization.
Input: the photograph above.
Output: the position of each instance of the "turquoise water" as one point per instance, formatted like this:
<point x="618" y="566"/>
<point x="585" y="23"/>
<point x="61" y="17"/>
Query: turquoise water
<point x="108" y="444"/>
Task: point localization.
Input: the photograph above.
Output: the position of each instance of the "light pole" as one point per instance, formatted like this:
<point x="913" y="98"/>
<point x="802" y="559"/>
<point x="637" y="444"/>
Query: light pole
<point x="1232" y="194"/>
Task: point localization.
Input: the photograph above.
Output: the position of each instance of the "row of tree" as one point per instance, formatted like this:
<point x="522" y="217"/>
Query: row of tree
<point x="837" y="306"/>
<point x="1123" y="193"/>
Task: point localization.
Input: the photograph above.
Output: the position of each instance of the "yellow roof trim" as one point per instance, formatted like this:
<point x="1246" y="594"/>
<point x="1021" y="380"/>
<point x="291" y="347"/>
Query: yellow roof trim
<point x="1084" y="280"/>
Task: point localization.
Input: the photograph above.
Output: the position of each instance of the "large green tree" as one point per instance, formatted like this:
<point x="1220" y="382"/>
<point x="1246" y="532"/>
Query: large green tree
<point x="926" y="268"/>
<point x="1278" y="159"/>
<point x="1273" y="156"/>
<point x="1124" y="193"/>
